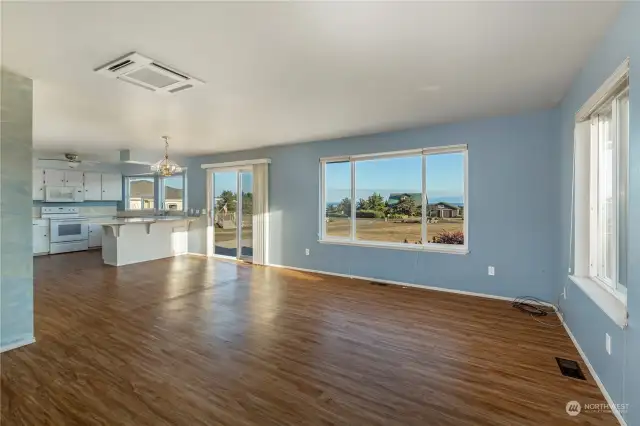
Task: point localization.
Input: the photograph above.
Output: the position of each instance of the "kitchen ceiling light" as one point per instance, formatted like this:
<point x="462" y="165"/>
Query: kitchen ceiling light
<point x="166" y="167"/>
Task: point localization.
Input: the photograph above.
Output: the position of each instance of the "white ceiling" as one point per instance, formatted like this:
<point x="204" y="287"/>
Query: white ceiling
<point x="289" y="72"/>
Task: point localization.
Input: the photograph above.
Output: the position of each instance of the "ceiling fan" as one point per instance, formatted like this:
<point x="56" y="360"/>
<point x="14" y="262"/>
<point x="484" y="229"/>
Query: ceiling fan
<point x="73" y="160"/>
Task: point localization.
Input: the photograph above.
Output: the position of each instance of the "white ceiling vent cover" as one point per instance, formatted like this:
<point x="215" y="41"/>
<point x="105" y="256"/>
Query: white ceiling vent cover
<point x="149" y="74"/>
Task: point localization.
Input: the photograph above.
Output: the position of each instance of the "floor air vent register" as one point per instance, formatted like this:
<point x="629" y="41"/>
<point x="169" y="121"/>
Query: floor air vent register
<point x="570" y="368"/>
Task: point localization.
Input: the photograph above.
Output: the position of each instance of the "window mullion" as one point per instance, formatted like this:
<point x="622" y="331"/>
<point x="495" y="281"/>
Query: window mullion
<point x="352" y="166"/>
<point x="323" y="203"/>
<point x="593" y="204"/>
<point x="614" y="195"/>
<point x="425" y="201"/>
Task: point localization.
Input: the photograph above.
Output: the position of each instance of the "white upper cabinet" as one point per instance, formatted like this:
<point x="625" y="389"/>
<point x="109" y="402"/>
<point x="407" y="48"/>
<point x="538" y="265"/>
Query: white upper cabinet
<point x="54" y="177"/>
<point x="38" y="184"/>
<point x="92" y="186"/>
<point x="73" y="178"/>
<point x="111" y="187"/>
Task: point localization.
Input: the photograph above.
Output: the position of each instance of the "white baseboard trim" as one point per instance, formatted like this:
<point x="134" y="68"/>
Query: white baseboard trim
<point x="423" y="287"/>
<point x="607" y="397"/>
<point x="195" y="254"/>
<point x="18" y="343"/>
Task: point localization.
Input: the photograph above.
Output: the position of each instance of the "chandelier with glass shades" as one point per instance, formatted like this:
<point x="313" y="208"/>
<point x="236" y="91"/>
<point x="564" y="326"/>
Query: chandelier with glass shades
<point x="166" y="167"/>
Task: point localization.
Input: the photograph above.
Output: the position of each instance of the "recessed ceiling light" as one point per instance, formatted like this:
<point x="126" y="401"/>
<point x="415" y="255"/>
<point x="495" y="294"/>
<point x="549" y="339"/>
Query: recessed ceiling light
<point x="429" y="88"/>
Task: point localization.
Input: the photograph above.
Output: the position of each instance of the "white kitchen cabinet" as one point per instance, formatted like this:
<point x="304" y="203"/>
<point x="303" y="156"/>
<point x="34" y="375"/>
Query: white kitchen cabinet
<point x="111" y="187"/>
<point x="38" y="184"/>
<point x="95" y="235"/>
<point x="40" y="236"/>
<point x="73" y="178"/>
<point x="54" y="177"/>
<point x="92" y="186"/>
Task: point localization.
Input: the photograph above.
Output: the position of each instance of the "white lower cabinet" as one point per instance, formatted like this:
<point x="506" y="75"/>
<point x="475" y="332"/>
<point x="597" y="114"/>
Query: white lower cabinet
<point x="40" y="236"/>
<point x="95" y="235"/>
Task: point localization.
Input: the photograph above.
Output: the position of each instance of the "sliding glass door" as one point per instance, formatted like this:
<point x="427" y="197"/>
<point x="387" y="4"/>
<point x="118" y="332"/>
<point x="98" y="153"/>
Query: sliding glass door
<point x="233" y="217"/>
<point x="246" y="212"/>
<point x="225" y="207"/>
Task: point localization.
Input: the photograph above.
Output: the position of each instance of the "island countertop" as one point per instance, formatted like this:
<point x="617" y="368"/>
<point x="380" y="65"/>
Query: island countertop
<point x="119" y="221"/>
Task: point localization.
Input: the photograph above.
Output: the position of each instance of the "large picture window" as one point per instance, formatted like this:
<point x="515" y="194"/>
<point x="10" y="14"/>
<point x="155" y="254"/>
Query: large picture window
<point x="411" y="200"/>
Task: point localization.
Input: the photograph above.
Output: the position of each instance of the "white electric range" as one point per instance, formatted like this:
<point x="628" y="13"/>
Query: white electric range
<point x="67" y="229"/>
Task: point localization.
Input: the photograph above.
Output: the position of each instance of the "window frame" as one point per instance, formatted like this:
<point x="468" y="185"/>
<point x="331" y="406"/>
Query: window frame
<point x="612" y="285"/>
<point x="584" y="237"/>
<point x="162" y="195"/>
<point x="127" y="191"/>
<point x="158" y="192"/>
<point x="425" y="246"/>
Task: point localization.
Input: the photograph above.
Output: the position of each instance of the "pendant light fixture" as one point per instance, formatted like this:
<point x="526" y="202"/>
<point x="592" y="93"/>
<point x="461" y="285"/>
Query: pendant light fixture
<point x="166" y="167"/>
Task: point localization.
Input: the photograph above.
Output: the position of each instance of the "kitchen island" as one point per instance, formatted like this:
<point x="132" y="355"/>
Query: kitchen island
<point x="133" y="240"/>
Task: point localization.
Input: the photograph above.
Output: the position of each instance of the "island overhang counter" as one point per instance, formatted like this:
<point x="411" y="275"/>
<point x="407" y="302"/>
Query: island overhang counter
<point x="133" y="240"/>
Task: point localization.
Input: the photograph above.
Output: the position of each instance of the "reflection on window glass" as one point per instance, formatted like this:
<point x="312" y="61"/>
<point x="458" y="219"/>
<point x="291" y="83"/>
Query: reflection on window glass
<point x="141" y="193"/>
<point x="445" y="198"/>
<point x="389" y="200"/>
<point x="338" y="199"/>
<point x="173" y="188"/>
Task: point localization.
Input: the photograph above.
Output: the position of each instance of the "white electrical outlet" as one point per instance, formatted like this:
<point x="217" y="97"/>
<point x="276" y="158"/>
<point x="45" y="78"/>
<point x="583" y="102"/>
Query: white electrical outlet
<point x="492" y="270"/>
<point x="306" y="251"/>
<point x="607" y="343"/>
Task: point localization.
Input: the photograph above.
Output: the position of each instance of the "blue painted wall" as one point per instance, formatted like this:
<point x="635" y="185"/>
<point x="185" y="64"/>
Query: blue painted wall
<point x="522" y="164"/>
<point x="512" y="217"/>
<point x="618" y="371"/>
<point x="16" y="246"/>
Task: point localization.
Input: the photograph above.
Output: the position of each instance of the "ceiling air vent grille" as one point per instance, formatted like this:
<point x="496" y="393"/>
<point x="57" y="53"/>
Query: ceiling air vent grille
<point x="119" y="65"/>
<point x="149" y="74"/>
<point x="177" y="89"/>
<point x="177" y="74"/>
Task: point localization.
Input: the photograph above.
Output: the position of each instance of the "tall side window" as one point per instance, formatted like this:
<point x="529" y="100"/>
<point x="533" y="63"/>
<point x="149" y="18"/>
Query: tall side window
<point x="413" y="200"/>
<point x="600" y="201"/>
<point x="140" y="192"/>
<point x="172" y="192"/>
<point x="608" y="191"/>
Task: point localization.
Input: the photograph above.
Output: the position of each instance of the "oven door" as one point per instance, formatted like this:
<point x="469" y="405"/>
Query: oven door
<point x="68" y="230"/>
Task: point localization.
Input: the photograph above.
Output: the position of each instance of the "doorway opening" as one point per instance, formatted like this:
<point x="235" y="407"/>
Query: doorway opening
<point x="232" y="213"/>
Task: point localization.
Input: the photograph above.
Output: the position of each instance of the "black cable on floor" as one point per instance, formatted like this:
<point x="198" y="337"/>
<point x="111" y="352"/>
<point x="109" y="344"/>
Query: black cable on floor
<point x="531" y="305"/>
<point x="535" y="308"/>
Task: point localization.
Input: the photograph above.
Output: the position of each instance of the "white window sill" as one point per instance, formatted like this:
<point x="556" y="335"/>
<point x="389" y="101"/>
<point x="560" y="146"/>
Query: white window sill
<point x="614" y="305"/>
<point x="431" y="247"/>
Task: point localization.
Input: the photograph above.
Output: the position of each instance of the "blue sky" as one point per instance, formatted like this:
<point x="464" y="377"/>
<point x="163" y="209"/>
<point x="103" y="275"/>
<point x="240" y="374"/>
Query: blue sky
<point x="226" y="181"/>
<point x="445" y="177"/>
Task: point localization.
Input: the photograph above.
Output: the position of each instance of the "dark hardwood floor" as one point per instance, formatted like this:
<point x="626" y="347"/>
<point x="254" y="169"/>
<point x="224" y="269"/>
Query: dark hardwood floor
<point x="194" y="341"/>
